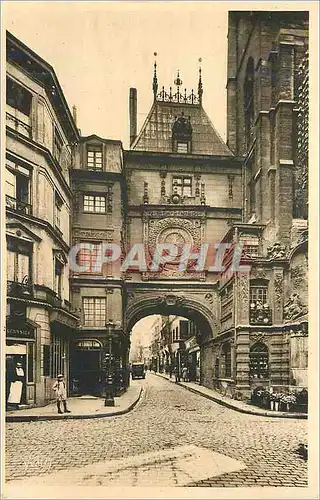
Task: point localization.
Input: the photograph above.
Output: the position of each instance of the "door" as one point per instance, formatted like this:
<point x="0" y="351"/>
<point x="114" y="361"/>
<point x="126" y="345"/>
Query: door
<point x="85" y="370"/>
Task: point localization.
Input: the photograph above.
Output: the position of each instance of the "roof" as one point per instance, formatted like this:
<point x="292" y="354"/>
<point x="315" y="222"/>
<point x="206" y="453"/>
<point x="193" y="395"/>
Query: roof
<point x="100" y="139"/>
<point x="156" y="132"/>
<point x="43" y="72"/>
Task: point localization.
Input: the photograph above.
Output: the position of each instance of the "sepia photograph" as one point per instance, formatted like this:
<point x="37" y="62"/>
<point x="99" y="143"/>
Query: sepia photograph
<point x="157" y="203"/>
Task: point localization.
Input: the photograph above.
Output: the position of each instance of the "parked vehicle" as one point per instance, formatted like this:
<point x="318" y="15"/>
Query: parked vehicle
<point x="137" y="370"/>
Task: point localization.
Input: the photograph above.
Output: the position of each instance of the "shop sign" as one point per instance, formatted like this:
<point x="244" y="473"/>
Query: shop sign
<point x="190" y="344"/>
<point x="88" y="344"/>
<point x="19" y="330"/>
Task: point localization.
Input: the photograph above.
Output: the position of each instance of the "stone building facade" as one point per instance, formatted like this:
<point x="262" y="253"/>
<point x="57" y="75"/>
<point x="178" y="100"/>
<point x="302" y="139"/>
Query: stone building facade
<point x="180" y="184"/>
<point x="264" y="315"/>
<point x="40" y="133"/>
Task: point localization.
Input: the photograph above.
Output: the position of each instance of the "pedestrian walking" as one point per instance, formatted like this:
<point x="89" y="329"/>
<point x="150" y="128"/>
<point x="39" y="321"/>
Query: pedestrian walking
<point x="176" y="374"/>
<point x="60" y="389"/>
<point x="185" y="373"/>
<point x="16" y="386"/>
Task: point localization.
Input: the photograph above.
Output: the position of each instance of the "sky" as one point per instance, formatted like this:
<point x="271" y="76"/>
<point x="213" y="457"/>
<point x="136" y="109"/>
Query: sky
<point x="101" y="49"/>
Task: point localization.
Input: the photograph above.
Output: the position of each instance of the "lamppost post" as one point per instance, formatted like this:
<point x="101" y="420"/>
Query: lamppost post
<point x="109" y="400"/>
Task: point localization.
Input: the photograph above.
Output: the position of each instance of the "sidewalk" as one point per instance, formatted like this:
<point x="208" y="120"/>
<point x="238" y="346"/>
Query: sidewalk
<point x="80" y="407"/>
<point x="240" y="406"/>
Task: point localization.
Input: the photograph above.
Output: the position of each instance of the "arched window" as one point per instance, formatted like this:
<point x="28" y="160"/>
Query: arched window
<point x="249" y="102"/>
<point x="226" y="352"/>
<point x="259" y="360"/>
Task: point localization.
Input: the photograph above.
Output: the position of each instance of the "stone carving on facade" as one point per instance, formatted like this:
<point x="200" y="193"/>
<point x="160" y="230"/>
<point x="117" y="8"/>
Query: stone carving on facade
<point x="209" y="298"/>
<point x="187" y="229"/>
<point x="163" y="175"/>
<point x="202" y="194"/>
<point x="294" y="308"/>
<point x="145" y="193"/>
<point x="301" y="331"/>
<point x="276" y="251"/>
<point x="260" y="314"/>
<point x="244" y="296"/>
<point x="258" y="273"/>
<point x="105" y="234"/>
<point x="109" y="198"/>
<point x="297" y="276"/>
<point x="164" y="214"/>
<point x="130" y="296"/>
<point x="230" y="183"/>
<point x="170" y="300"/>
<point x="197" y="188"/>
<point x="257" y="337"/>
<point x="278" y="294"/>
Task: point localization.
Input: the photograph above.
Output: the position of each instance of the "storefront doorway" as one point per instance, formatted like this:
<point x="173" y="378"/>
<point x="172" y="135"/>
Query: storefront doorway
<point x="86" y="376"/>
<point x="20" y="349"/>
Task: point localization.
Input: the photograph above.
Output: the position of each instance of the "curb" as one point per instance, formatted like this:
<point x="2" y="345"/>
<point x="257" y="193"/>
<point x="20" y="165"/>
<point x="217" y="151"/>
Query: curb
<point x="249" y="411"/>
<point x="33" y="418"/>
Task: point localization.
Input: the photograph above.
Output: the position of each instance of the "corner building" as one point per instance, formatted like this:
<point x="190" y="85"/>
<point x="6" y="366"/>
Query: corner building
<point x="264" y="316"/>
<point x="40" y="134"/>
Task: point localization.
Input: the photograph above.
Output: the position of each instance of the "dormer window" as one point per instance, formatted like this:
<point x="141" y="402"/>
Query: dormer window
<point x="94" y="157"/>
<point x="181" y="135"/>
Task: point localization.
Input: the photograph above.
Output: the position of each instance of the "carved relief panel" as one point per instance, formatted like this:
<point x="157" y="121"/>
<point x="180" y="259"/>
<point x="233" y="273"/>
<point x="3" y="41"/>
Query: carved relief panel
<point x="173" y="228"/>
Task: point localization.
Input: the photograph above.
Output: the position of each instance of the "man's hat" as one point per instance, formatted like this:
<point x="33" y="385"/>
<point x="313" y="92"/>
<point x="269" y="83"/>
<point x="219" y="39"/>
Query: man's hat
<point x="60" y="376"/>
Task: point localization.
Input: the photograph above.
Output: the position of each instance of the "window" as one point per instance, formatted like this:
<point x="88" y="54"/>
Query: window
<point x="57" y="145"/>
<point x="58" y="272"/>
<point x="95" y="204"/>
<point x="94" y="311"/>
<point x="18" y="189"/>
<point x="88" y="255"/>
<point x="226" y="350"/>
<point x="57" y="211"/>
<point x="59" y="348"/>
<point x="46" y="360"/>
<point x="94" y="158"/>
<point x="18" y="97"/>
<point x="258" y="294"/>
<point x="182" y="147"/>
<point x="259" y="361"/>
<point x="19" y="262"/>
<point x="182" y="186"/>
<point x="182" y="134"/>
<point x="250" y="246"/>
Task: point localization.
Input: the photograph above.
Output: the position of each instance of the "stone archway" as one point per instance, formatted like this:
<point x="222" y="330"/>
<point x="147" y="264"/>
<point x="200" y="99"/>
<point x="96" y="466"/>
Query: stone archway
<point x="200" y="307"/>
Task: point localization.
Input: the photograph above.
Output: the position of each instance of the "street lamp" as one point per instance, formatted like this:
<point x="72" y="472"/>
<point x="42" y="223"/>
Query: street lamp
<point x="109" y="400"/>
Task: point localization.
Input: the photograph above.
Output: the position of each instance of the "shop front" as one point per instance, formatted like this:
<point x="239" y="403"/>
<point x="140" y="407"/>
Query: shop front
<point x="193" y="353"/>
<point x="86" y="371"/>
<point x="20" y="363"/>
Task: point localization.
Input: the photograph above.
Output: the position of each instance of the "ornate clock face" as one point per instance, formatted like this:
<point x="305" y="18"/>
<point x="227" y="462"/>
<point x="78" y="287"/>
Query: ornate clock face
<point x="175" y="236"/>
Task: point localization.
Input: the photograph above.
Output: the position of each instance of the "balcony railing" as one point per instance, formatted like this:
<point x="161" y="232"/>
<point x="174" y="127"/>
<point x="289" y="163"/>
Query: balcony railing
<point x="17" y="289"/>
<point x="19" y="206"/>
<point x="260" y="314"/>
<point x="18" y="125"/>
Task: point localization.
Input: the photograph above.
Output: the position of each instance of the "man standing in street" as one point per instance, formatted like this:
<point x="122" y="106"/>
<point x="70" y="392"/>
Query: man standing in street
<point x="61" y="394"/>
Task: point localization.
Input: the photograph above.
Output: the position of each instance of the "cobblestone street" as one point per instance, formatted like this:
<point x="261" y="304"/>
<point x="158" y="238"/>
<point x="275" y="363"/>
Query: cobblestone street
<point x="167" y="417"/>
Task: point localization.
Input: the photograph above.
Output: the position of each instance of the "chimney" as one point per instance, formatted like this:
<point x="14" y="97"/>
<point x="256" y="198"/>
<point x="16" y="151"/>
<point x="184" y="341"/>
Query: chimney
<point x="133" y="114"/>
<point x="74" y="114"/>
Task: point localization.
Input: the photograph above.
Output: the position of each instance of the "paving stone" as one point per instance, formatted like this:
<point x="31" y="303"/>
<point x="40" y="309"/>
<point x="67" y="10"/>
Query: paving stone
<point x="265" y="445"/>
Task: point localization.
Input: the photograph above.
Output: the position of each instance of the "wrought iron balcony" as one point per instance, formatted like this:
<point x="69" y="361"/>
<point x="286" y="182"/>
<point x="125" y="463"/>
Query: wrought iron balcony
<point x="18" y="125"/>
<point x="19" y="206"/>
<point x="17" y="289"/>
<point x="260" y="314"/>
